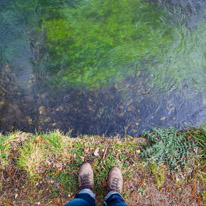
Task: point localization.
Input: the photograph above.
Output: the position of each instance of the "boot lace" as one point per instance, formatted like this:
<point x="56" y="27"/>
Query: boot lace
<point x="115" y="184"/>
<point x="85" y="182"/>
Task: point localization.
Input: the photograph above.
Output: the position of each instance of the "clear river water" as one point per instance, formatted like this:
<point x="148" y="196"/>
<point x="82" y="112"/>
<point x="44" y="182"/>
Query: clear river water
<point x="102" y="67"/>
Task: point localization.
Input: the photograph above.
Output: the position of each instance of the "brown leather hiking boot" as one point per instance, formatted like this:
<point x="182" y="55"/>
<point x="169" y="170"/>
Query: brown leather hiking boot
<point x="115" y="180"/>
<point x="86" y="177"/>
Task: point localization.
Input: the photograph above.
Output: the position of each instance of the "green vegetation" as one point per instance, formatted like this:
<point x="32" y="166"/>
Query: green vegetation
<point x="58" y="158"/>
<point x="4" y="149"/>
<point x="50" y="162"/>
<point x="186" y="57"/>
<point x="98" y="42"/>
<point x="41" y="151"/>
<point x="93" y="43"/>
<point x="17" y="22"/>
<point x="200" y="136"/>
<point x="167" y="147"/>
<point x="159" y="173"/>
<point x="204" y="197"/>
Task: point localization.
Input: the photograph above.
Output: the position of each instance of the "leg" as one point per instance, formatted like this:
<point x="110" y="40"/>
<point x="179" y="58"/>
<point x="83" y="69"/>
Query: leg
<point x="86" y="183"/>
<point x="115" y="184"/>
<point x="84" y="198"/>
<point x="114" y="199"/>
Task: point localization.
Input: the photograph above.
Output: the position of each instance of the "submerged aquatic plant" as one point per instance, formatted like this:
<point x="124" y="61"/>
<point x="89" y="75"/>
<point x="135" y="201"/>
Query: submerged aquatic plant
<point x="167" y="147"/>
<point x="98" y="42"/>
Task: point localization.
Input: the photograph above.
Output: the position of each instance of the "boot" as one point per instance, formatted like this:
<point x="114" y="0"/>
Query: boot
<point x="115" y="180"/>
<point x="86" y="177"/>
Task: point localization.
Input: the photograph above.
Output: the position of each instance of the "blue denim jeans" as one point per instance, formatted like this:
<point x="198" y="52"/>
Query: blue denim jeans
<point x="87" y="198"/>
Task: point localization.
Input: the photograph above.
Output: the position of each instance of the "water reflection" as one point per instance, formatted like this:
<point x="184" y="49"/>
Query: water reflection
<point x="84" y="65"/>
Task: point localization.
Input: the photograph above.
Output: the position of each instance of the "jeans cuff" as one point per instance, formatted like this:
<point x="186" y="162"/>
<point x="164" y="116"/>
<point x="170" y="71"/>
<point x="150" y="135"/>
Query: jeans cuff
<point x="110" y="194"/>
<point x="87" y="191"/>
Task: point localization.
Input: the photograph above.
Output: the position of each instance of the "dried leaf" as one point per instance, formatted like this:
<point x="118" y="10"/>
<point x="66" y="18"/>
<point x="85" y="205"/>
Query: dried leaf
<point x="6" y="186"/>
<point x="96" y="152"/>
<point x="10" y="172"/>
<point x="129" y="109"/>
<point x="55" y="200"/>
<point x="39" y="139"/>
<point x="86" y="150"/>
<point x="9" y="201"/>
<point x="189" y="137"/>
<point x="161" y="165"/>
<point x="58" y="165"/>
<point x="138" y="151"/>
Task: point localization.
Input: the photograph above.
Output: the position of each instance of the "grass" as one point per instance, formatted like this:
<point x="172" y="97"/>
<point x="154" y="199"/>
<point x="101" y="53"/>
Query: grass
<point x="6" y="143"/>
<point x="4" y="150"/>
<point x="50" y="162"/>
<point x="59" y="157"/>
<point x="200" y="136"/>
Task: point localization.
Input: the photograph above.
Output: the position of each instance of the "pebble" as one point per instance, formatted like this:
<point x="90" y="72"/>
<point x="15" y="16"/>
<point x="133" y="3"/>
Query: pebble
<point x="42" y="110"/>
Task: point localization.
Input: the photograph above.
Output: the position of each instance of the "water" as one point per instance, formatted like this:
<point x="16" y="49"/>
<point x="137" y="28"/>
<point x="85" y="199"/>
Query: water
<point x="102" y="67"/>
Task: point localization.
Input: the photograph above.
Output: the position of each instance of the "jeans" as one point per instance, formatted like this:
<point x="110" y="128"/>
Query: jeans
<point x="87" y="198"/>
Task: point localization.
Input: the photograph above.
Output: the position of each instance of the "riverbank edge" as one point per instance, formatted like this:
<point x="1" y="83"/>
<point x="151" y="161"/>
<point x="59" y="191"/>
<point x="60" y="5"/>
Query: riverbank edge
<point x="43" y="168"/>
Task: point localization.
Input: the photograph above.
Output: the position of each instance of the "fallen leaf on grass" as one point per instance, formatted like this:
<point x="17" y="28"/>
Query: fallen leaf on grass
<point x="10" y="172"/>
<point x="189" y="137"/>
<point x="55" y="200"/>
<point x="161" y="165"/>
<point x="39" y="139"/>
<point x="58" y="165"/>
<point x="9" y="201"/>
<point x="138" y="151"/>
<point x="86" y="150"/>
<point x="49" y="166"/>
<point x="96" y="152"/>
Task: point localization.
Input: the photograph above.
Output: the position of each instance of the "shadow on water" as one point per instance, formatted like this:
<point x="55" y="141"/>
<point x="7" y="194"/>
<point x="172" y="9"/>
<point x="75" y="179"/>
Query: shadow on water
<point x="99" y="71"/>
